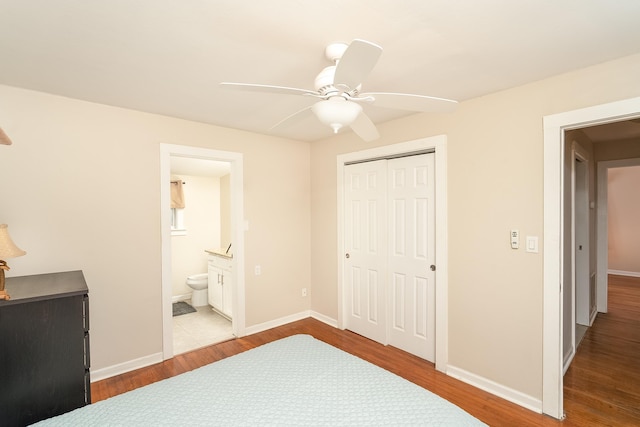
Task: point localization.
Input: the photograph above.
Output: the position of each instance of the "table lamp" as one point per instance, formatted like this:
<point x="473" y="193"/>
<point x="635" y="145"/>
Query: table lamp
<point x="4" y="139"/>
<point x="8" y="249"/>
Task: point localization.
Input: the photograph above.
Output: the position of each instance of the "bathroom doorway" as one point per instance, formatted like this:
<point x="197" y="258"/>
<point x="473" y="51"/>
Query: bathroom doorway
<point x="200" y="227"/>
<point x="208" y="223"/>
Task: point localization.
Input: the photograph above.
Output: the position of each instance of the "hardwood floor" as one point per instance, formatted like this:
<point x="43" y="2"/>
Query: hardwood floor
<point x="602" y="386"/>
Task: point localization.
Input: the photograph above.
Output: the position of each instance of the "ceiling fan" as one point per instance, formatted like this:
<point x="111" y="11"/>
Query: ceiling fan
<point x="337" y="89"/>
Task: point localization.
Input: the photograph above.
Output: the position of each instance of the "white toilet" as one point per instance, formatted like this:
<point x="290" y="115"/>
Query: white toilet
<point x="199" y="283"/>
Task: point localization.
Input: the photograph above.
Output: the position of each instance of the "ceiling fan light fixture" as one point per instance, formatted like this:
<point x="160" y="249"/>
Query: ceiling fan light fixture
<point x="336" y="112"/>
<point x="339" y="86"/>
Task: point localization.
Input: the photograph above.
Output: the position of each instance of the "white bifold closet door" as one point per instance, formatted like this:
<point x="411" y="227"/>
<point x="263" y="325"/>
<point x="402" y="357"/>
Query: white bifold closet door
<point x="390" y="244"/>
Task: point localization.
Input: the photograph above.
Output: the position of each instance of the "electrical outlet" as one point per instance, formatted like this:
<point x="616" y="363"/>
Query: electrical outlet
<point x="258" y="270"/>
<point x="304" y="292"/>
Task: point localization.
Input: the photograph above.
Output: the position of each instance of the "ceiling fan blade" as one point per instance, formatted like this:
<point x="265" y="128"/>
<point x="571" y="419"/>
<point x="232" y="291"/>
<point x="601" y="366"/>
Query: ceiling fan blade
<point x="405" y="101"/>
<point x="268" y="89"/>
<point x="356" y="63"/>
<point x="364" y="128"/>
<point x="295" y="117"/>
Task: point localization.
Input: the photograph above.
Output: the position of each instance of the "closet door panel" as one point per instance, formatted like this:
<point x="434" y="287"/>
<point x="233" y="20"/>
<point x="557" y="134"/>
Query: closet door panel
<point x="390" y="243"/>
<point x="366" y="249"/>
<point x="411" y="226"/>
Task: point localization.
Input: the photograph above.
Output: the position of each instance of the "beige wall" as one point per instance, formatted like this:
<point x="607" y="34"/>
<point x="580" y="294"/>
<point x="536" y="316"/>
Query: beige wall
<point x="623" y="212"/>
<point x="74" y="165"/>
<point x="495" y="182"/>
<point x="225" y="212"/>
<point x="81" y="191"/>
<point x="202" y="223"/>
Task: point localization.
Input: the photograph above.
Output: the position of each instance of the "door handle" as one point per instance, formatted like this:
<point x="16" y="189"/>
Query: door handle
<point x="347" y="255"/>
<point x="432" y="267"/>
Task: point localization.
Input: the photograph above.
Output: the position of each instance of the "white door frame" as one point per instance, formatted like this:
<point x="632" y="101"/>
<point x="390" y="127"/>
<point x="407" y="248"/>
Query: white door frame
<point x="237" y="234"/>
<point x="439" y="144"/>
<point x="602" y="229"/>
<point x="578" y="153"/>
<point x="554" y="129"/>
<point x="578" y="179"/>
<point x="580" y="206"/>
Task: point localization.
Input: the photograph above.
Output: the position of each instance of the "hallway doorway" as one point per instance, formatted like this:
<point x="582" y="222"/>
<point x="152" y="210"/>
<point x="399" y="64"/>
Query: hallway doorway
<point x="602" y="227"/>
<point x="555" y="264"/>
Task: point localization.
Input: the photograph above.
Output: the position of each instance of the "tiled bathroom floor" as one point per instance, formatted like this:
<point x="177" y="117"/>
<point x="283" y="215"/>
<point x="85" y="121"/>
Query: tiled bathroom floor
<point x="199" y="329"/>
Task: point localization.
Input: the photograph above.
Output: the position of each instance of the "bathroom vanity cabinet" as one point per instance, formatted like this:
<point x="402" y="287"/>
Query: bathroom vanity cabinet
<point x="44" y="347"/>
<point x="220" y="283"/>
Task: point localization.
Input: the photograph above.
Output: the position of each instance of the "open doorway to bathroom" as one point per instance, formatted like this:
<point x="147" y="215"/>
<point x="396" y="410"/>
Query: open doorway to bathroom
<point x="200" y="229"/>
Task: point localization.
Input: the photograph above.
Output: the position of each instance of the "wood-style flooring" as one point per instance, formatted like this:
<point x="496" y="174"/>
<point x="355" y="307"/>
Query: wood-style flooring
<point x="602" y="386"/>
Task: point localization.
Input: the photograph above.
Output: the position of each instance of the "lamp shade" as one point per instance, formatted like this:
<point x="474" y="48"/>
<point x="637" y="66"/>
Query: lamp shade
<point x="8" y="249"/>
<point x="4" y="139"/>
<point x="336" y="112"/>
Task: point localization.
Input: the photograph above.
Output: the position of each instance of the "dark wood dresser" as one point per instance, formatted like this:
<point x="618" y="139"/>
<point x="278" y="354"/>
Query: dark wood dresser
<point x="44" y="347"/>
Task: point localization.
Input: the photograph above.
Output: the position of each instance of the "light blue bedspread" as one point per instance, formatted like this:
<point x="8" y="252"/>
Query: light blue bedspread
<point x="296" y="381"/>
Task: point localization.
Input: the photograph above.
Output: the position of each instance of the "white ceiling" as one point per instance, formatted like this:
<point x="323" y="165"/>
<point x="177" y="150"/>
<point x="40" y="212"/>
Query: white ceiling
<point x="168" y="56"/>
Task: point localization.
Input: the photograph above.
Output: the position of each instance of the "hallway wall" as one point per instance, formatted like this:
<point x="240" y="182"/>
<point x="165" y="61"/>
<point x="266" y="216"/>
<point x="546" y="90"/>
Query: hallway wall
<point x="623" y="214"/>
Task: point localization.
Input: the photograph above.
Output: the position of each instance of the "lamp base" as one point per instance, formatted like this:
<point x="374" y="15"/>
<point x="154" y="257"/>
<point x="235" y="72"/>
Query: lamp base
<point x="3" y="293"/>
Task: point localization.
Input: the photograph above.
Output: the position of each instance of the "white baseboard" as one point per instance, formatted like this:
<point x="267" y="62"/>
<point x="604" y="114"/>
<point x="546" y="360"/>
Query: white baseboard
<point x="276" y="322"/>
<point x="592" y="317"/>
<point x="499" y="390"/>
<point x="110" y="371"/>
<point x="324" y="319"/>
<point x="566" y="361"/>
<point x="121" y="368"/>
<point x="177" y="298"/>
<point x="482" y="383"/>
<point x="288" y="319"/>
<point x="624" y="273"/>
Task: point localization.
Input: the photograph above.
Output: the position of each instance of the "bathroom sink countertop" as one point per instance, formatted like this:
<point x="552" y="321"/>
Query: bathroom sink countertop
<point x="219" y="252"/>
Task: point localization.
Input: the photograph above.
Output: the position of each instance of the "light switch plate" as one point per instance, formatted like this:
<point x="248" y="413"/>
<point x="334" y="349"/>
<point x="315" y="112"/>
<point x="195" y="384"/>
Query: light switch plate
<point x="515" y="239"/>
<point x="532" y="244"/>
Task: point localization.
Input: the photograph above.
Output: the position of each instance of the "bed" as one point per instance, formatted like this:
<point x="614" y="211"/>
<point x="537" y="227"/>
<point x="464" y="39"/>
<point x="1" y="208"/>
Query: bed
<point x="295" y="381"/>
